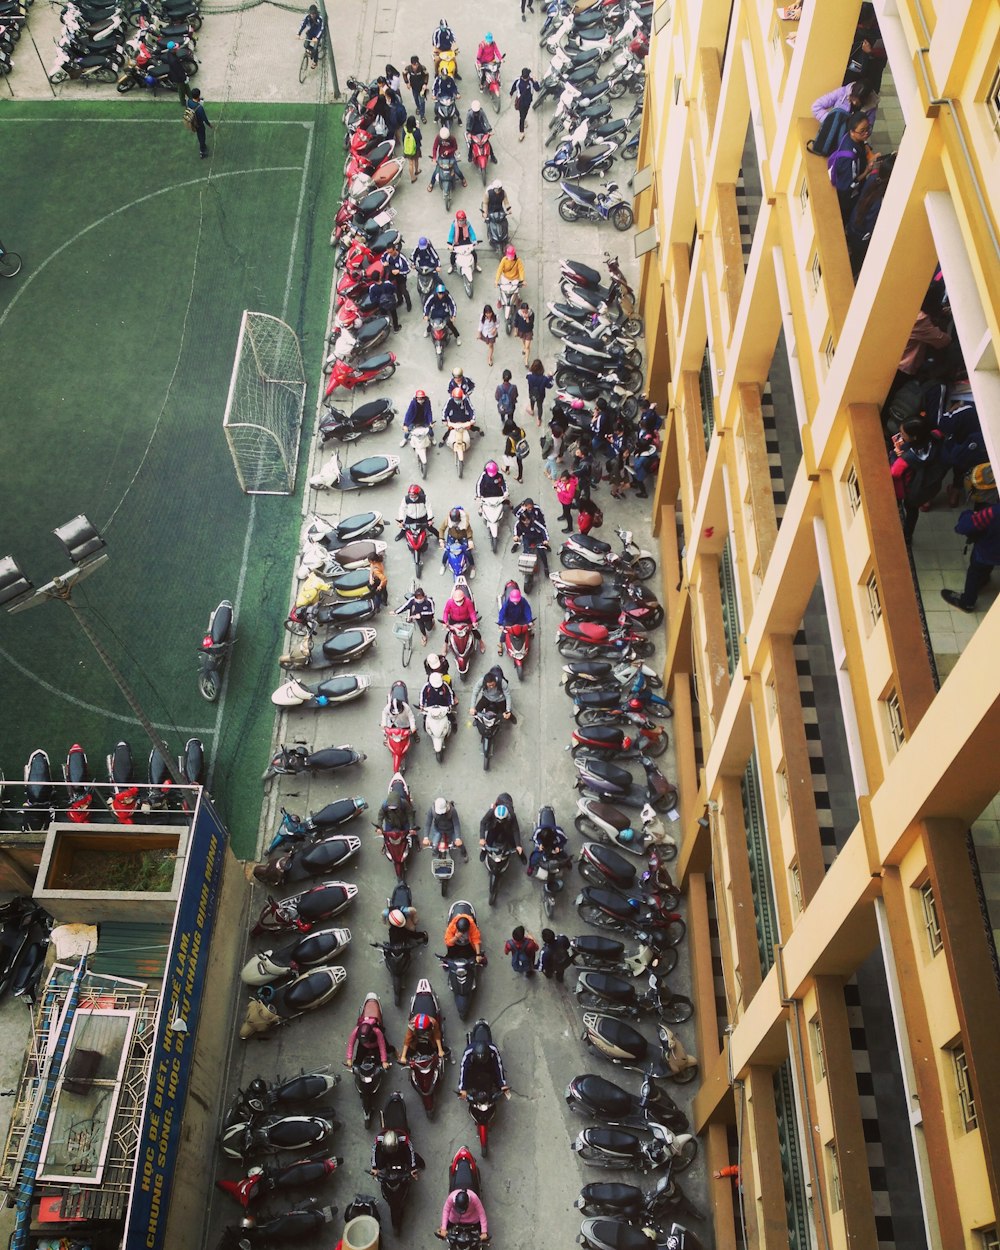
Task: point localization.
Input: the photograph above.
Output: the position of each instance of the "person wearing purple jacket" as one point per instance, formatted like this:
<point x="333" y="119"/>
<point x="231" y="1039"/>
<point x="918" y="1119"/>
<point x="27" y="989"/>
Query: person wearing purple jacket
<point x="855" y="97"/>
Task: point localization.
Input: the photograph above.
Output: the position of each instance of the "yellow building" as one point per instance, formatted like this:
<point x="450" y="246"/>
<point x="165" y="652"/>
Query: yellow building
<point x="837" y="724"/>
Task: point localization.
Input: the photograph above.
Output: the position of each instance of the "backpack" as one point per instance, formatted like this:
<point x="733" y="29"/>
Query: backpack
<point x="188" y="119"/>
<point x="963" y="439"/>
<point x="832" y="130"/>
<point x="506" y="399"/>
<point x="981" y="486"/>
<point x="906" y="403"/>
<point x="848" y="153"/>
<point x="409" y="143"/>
<point x="926" y="477"/>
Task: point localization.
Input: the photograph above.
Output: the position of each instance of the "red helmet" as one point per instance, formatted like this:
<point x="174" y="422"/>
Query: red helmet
<point x="635" y="705"/>
<point x="421" y="1021"/>
<point x="458" y="393"/>
<point x="414" y="494"/>
<point x="460" y="215"/>
<point x="420" y="395"/>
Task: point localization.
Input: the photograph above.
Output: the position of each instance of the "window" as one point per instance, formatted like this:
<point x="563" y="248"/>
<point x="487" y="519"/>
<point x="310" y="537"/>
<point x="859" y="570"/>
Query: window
<point x="874" y="598"/>
<point x="963" y="1087"/>
<point x="772" y="700"/>
<point x="993" y="103"/>
<point x="819" y="1056"/>
<point x="989" y="1239"/>
<point x="853" y="488"/>
<point x="804" y="195"/>
<point x="894" y="716"/>
<point x="795" y="880"/>
<point x="828" y="351"/>
<point x="931" y="925"/>
<point x="836" y="1197"/>
<point x="783" y="788"/>
<point x="816" y="270"/>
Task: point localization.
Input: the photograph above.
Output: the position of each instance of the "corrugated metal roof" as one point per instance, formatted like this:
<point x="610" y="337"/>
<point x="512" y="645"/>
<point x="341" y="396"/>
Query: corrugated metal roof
<point x="138" y="951"/>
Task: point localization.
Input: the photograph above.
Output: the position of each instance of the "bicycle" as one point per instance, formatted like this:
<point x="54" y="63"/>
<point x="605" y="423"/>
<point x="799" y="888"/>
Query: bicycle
<point x="307" y="57"/>
<point x="10" y="263"/>
<point x="404" y="631"/>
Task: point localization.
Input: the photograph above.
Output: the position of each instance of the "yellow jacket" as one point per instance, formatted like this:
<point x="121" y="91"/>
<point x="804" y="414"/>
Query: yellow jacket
<point x="511" y="270"/>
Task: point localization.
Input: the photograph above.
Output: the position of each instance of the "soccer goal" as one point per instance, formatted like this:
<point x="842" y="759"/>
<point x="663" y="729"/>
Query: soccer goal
<point x="267" y="394"/>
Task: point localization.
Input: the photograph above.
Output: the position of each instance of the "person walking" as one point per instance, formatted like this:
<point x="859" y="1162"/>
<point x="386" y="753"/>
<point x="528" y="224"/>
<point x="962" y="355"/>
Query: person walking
<point x="522" y="92"/>
<point x="377" y="580"/>
<point x="397" y="267"/>
<point x="982" y="528"/>
<point x="538" y="383"/>
<point x="176" y="72"/>
<point x="565" y="487"/>
<point x="555" y="957"/>
<point x="199" y="120"/>
<point x="413" y="142"/>
<point x="385" y="297"/>
<point x="419" y="609"/>
<point x="513" y="447"/>
<point x="416" y="77"/>
<point x="524" y="328"/>
<point x="487" y="332"/>
<point x="522" y="949"/>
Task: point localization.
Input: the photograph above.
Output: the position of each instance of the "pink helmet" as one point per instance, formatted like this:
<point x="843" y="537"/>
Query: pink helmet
<point x="576" y="404"/>
<point x="511" y="253"/>
<point x="491" y="468"/>
<point x="514" y="596"/>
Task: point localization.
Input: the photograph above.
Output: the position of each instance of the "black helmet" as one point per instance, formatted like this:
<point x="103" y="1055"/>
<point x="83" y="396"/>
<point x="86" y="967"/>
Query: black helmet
<point x="393" y="802"/>
<point x="461" y="1203"/>
<point x="455" y="515"/>
<point x="528" y="503"/>
<point x="480" y="1052"/>
<point x="462" y="924"/>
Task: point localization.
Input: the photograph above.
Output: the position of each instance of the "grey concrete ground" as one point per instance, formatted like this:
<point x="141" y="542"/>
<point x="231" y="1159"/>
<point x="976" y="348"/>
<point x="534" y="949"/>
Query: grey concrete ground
<point x="530" y="1178"/>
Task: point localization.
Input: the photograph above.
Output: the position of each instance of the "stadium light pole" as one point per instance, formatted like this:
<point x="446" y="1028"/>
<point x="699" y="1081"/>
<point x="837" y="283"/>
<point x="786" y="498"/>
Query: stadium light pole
<point x="87" y="552"/>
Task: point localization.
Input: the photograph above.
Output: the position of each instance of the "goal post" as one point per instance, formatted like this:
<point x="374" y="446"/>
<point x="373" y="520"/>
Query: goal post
<point x="267" y="394"/>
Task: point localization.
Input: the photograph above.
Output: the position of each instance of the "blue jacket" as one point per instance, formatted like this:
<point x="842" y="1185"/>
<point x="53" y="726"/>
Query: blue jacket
<point x="425" y="258"/>
<point x="451" y="233"/>
<point x="439" y="305"/>
<point x="418" y="413"/>
<point x="313" y="26"/>
<point x="983" y="527"/>
<point x="445" y="87"/>
<point x="515" y="613"/>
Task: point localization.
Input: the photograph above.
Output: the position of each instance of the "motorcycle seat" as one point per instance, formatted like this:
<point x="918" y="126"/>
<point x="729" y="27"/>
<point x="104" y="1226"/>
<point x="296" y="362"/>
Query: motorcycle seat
<point x="610" y="772"/>
<point x="350" y="583"/>
<point x="606" y="605"/>
<point x="597" y="698"/>
<point x="341" y="645"/>
<point x="583" y="73"/>
<point x="314" y="947"/>
<point x="291" y="1132"/>
<point x="335" y="687"/>
<point x="366" y="412"/>
<point x="589" y="17"/>
<point x="374" y="363"/>
<point x="596" y="112"/>
<point x="372" y="202"/>
<point x="360" y="520"/>
<point x="609" y="986"/>
<point x="621" y="1236"/>
<point x="596" y="946"/>
<point x="88" y="62"/>
<point x="609" y="129"/>
<point x="590" y="544"/>
<point x="611" y="816"/>
<point x="590" y="668"/>
<point x="314" y="905"/>
<point x="372" y="330"/>
<point x="371" y="466"/>
<point x="589" y="35"/>
<point x="607" y="737"/>
<point x="587" y="275"/>
<point x="612" y="1139"/>
<point x="609" y="857"/>
<point x="334" y="813"/>
<point x="627" y="1198"/>
<point x="623" y="1036"/>
<point x="304" y="992"/>
<point x="348" y="611"/>
<point x="604" y="1094"/>
<point x="581" y="577"/>
<point x="584" y="631"/>
<point x="592" y="152"/>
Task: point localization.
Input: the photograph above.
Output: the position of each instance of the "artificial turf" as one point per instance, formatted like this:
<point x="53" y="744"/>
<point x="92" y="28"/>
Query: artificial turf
<point x="116" y="348"/>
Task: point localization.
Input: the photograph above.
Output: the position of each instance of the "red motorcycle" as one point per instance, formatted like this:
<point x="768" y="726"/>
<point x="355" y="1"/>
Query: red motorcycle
<point x="640" y="609"/>
<point x="361" y="262"/>
<point x="461" y="642"/>
<point x="422" y="1059"/>
<point x="416" y="534"/>
<point x="368" y="162"/>
<point x="516" y="641"/>
<point x="588" y="640"/>
<point x="480" y="153"/>
<point x="615" y="739"/>
<point x="302" y="912"/>
<point x="351" y="377"/>
<point x="265" y="1180"/>
<point x="398" y="742"/>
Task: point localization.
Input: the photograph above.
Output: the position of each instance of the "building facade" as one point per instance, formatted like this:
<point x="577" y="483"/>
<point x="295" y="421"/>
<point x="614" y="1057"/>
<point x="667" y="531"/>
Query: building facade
<point x="836" y="723"/>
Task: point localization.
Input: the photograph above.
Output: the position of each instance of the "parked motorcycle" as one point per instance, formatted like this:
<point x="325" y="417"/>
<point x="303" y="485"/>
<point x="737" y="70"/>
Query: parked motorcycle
<point x="272" y="1134"/>
<point x="259" y="1182"/>
<point x="598" y="819"/>
<point x="291" y="761"/>
<point x="605" y="204"/>
<point x="619" y="739"/>
<point x="214" y="650"/>
<point x="588" y="640"/>
<point x="622" y="1044"/>
<point x="370" y="418"/>
<point x="330" y="693"/>
<point x="612" y="1234"/>
<point x="261" y="1096"/>
<point x="618" y="1148"/>
<point x="618" y="997"/>
<point x="39" y="793"/>
<point x="272" y="1005"/>
<point x="599" y="1099"/>
<point x="318" y="859"/>
<point x="304" y="911"/>
<point x="352" y="377"/>
<point x="294" y="830"/>
<point x="314" y="950"/>
<point x="606" y="908"/>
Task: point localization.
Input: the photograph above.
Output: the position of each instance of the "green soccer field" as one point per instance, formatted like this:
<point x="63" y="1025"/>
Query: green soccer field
<point x="117" y="342"/>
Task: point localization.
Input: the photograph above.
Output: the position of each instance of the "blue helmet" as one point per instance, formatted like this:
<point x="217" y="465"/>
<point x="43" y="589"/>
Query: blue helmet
<point x="626" y="835"/>
<point x="488" y="37"/>
<point x="422" y="241"/>
<point x="501" y="811"/>
<point x="441" y="289"/>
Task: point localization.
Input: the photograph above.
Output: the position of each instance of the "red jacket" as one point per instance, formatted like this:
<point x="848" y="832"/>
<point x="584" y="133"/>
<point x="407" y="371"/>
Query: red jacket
<point x="443" y="147"/>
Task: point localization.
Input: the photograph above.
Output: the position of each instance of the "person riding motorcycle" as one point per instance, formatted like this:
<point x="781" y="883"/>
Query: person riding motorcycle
<point x="463" y="932"/>
<point x="397" y="714"/>
<point x="424" y="256"/>
<point x="441" y="307"/>
<point x="438" y="693"/>
<point x="460" y="233"/>
<point x="445" y="87"/>
<point x="422" y="1032"/>
<point x="460" y="610"/>
<point x="548" y="839"/>
<point x="514" y="610"/>
<point x="458" y="528"/>
<point x="443" y="40"/>
<point x="463" y="1206"/>
<point x="437" y="664"/>
<point x="394" y="1152"/>
<point x="493" y="692"/>
<point x="495" y="199"/>
<point x="491" y="484"/>
<point x="396" y="812"/>
<point x="460" y="381"/>
<point x="485" y="53"/>
<point x="403" y="931"/>
<point x="530" y="532"/>
<point x="458" y="411"/>
<point x="443" y="825"/>
<point x="482" y="1070"/>
<point x="511" y="268"/>
<point x="414" y="509"/>
<point x="499" y="829"/>
<point x="418" y="415"/>
<point x="477" y="123"/>
<point x="445" y="148"/>
<point x="368" y="1035"/>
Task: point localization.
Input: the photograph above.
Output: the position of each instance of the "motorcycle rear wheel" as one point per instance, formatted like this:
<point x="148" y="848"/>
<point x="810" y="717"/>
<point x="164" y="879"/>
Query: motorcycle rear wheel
<point x="686" y="1156"/>
<point x="673" y="933"/>
<point x="209" y="685"/>
<point x="617" y="89"/>
<point x="106" y="74"/>
<point x="126" y="84"/>
<point x="567" y="210"/>
<point x="655" y="747"/>
<point x="644" y="568"/>
<point x="385" y="372"/>
<point x="570" y="560"/>
<point x="551" y="173"/>
<point x="676" y="1010"/>
<point x="621" y="217"/>
<point x="447" y="201"/>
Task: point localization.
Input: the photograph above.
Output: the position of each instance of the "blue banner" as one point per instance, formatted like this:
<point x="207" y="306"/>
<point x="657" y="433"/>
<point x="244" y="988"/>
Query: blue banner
<point x="170" y="1070"/>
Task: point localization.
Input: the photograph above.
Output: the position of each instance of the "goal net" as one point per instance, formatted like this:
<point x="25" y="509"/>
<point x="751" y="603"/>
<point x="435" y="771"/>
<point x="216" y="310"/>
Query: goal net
<point x="267" y="394"/>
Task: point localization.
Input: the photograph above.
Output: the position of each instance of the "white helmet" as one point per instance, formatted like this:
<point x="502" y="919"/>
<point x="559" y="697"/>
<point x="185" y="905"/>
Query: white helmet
<point x="440" y="806"/>
<point x="475" y="106"/>
<point x="495" y="185"/>
<point x="444" y="133"/>
<point x="436" y="680"/>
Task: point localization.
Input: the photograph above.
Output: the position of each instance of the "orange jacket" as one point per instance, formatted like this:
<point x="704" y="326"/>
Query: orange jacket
<point x="451" y="934"/>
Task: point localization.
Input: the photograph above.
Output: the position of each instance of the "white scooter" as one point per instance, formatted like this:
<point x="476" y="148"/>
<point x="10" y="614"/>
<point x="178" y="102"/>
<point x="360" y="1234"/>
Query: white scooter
<point x="508" y="301"/>
<point x="371" y="471"/>
<point x="459" y="440"/>
<point x="437" y="726"/>
<point x="465" y="263"/>
<point x="421" y="438"/>
<point x="492" y="510"/>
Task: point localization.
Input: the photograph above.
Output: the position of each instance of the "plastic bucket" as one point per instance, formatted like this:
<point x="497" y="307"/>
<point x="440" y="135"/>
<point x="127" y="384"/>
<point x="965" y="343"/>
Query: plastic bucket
<point x="361" y="1233"/>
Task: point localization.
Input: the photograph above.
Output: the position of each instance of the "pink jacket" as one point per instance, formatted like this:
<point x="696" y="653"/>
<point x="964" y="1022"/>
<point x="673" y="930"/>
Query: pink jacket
<point x="566" y="490"/>
<point x="476" y="1213"/>
<point x="459" y="613"/>
<point x="379" y="1037"/>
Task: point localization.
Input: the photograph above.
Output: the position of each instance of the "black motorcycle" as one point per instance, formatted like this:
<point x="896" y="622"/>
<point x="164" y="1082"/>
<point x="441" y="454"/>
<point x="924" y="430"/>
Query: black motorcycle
<point x="214" y="651"/>
<point x="370" y="418"/>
